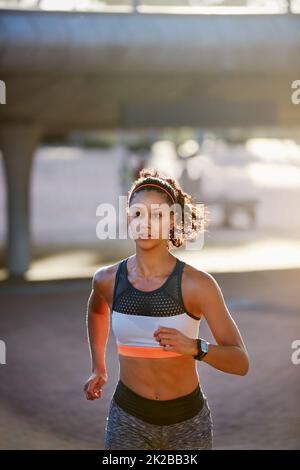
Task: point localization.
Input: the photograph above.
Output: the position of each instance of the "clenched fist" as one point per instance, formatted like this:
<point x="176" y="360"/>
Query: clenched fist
<point x="93" y="386"/>
<point x="173" y="340"/>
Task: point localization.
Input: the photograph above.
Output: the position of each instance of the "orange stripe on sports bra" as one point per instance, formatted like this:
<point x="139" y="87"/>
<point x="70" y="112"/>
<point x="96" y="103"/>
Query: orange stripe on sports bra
<point x="141" y="351"/>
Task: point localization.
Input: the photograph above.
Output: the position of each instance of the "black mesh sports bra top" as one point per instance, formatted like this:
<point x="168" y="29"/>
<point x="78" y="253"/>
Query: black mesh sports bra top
<point x="137" y="314"/>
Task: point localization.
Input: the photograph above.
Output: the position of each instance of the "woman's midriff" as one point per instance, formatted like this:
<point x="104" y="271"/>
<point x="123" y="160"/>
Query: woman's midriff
<point x="159" y="379"/>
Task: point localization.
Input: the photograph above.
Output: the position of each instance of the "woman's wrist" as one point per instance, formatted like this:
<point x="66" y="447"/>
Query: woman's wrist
<point x="194" y="347"/>
<point x="201" y="348"/>
<point x="99" y="369"/>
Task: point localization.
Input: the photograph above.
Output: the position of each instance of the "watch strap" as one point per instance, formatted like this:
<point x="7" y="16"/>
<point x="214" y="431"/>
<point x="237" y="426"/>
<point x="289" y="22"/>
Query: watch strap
<point x="201" y="353"/>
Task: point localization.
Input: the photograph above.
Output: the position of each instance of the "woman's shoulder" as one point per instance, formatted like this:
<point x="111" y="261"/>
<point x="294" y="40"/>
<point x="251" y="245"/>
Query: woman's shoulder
<point x="199" y="289"/>
<point x="104" y="277"/>
<point x="194" y="274"/>
<point x="197" y="282"/>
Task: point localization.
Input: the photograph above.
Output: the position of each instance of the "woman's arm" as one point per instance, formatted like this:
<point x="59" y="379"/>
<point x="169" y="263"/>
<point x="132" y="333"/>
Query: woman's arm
<point x="98" y="326"/>
<point x="230" y="354"/>
<point x="203" y="296"/>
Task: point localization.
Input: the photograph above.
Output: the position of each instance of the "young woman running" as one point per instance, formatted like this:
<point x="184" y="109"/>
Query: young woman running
<point x="156" y="302"/>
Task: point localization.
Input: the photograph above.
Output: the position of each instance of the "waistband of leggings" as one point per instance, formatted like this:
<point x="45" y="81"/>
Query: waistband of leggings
<point x="161" y="412"/>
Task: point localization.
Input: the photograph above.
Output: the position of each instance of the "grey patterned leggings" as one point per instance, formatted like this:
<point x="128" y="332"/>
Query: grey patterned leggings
<point x="125" y="431"/>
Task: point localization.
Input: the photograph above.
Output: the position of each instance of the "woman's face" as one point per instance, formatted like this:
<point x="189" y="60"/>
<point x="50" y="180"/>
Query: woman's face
<point x="150" y="218"/>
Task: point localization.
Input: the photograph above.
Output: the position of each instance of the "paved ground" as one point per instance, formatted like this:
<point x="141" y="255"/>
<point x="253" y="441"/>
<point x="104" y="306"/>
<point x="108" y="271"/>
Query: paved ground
<point x="42" y="405"/>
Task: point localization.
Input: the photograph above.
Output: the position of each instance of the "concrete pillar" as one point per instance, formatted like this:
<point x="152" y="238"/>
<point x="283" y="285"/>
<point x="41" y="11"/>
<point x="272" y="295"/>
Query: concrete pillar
<point x="18" y="142"/>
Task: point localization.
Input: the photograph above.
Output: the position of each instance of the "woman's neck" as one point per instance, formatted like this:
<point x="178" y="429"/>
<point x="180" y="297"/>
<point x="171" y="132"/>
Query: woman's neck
<point x="153" y="262"/>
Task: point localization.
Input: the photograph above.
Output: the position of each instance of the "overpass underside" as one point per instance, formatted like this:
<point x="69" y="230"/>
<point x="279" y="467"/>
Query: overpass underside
<point x="68" y="71"/>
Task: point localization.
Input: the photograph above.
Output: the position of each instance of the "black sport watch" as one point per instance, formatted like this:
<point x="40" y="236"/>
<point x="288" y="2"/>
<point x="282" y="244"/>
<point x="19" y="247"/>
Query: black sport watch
<point x="202" y="349"/>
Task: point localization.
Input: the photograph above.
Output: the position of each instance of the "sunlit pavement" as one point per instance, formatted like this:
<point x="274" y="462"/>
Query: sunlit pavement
<point x="42" y="405"/>
<point x="219" y="251"/>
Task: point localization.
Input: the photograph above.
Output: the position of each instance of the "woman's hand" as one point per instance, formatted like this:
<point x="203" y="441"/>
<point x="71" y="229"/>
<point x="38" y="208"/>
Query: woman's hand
<point x="93" y="386"/>
<point x="173" y="340"/>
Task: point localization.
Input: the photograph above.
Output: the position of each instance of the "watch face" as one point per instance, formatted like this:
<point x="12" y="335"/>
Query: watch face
<point x="204" y="346"/>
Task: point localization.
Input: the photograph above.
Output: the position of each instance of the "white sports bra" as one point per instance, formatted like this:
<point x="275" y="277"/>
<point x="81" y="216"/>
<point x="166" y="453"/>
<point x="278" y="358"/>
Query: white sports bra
<point x="137" y="314"/>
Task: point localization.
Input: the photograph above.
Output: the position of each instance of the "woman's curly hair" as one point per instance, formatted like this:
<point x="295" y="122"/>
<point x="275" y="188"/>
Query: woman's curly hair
<point x="193" y="214"/>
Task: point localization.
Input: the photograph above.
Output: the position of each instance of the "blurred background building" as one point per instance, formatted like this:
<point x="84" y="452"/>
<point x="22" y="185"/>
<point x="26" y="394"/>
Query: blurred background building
<point x="93" y="91"/>
<point x="204" y="97"/>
